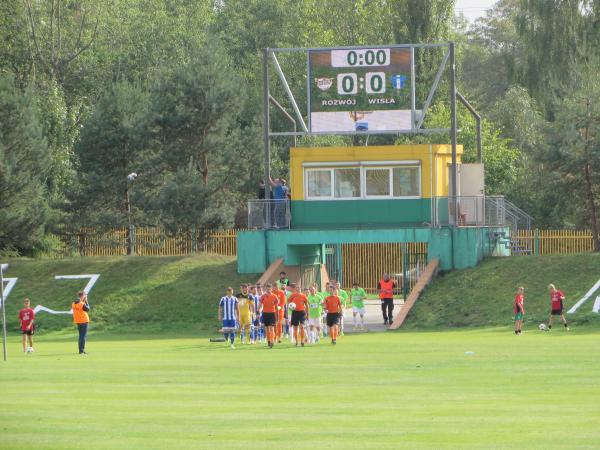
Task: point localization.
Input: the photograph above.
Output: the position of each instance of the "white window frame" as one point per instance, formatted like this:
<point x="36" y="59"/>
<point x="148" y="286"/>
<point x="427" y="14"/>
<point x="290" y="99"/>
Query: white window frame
<point x="420" y="194"/>
<point x="364" y="182"/>
<point x="363" y="166"/>
<point x="318" y="169"/>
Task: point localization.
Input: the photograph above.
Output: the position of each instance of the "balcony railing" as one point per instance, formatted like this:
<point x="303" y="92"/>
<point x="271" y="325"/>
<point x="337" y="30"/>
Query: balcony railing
<point x="460" y="211"/>
<point x="464" y="210"/>
<point x="268" y="214"/>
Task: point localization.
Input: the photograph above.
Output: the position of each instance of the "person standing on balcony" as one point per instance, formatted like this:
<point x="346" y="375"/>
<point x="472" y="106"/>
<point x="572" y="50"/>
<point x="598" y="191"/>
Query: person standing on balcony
<point x="262" y="190"/>
<point x="386" y="294"/>
<point x="280" y="194"/>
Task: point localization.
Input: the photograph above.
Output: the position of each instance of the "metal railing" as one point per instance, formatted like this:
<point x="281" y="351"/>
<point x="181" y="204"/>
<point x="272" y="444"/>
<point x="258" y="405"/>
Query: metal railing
<point x="464" y="210"/>
<point x="522" y="220"/>
<point x="268" y="214"/>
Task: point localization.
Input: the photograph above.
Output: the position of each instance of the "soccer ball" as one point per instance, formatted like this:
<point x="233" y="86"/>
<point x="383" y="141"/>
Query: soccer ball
<point x="542" y="327"/>
<point x="292" y="306"/>
<point x="30" y="350"/>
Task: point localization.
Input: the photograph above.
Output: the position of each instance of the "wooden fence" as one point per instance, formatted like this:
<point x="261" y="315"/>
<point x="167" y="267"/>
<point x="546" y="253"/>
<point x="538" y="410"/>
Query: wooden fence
<point x="360" y="262"/>
<point x="365" y="263"/>
<point x="148" y="241"/>
<point x="546" y="242"/>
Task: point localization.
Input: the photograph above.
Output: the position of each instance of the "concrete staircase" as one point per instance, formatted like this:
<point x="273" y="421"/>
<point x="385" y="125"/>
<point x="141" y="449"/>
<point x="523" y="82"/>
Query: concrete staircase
<point x="426" y="276"/>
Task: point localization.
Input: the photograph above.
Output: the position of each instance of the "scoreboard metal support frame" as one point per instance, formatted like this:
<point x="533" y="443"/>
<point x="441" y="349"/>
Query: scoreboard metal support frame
<point x="417" y="120"/>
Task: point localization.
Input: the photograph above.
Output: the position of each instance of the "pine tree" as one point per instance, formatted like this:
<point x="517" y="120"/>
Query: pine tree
<point x="24" y="166"/>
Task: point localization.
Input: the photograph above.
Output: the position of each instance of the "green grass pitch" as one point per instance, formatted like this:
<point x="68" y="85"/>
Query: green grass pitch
<point x="376" y="391"/>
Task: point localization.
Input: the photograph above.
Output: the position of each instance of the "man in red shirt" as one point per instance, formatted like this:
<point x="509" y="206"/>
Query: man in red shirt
<point x="519" y="309"/>
<point x="556" y="298"/>
<point x="26" y="316"/>
<point x="386" y="287"/>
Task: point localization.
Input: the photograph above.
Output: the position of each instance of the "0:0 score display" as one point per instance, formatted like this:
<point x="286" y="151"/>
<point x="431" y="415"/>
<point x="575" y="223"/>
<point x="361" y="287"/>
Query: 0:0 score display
<point x="351" y="83"/>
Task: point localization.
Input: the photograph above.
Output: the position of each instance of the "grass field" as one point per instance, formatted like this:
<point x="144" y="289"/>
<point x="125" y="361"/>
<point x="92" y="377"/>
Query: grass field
<point x="376" y="391"/>
<point x="145" y="294"/>
<point x="483" y="296"/>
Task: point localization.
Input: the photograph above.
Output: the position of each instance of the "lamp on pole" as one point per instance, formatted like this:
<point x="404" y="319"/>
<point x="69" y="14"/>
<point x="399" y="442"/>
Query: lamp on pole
<point x="130" y="245"/>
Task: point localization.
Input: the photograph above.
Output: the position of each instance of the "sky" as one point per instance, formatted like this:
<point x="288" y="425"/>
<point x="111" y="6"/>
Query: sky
<point x="473" y="9"/>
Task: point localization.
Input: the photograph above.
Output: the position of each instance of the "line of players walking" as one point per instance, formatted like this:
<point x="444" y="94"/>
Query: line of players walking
<point x="271" y="312"/>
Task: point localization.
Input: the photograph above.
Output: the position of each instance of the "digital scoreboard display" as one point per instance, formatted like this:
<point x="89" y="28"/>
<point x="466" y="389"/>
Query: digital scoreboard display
<point x="360" y="89"/>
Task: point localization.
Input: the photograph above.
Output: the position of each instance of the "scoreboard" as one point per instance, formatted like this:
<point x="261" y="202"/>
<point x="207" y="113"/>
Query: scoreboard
<point x="366" y="89"/>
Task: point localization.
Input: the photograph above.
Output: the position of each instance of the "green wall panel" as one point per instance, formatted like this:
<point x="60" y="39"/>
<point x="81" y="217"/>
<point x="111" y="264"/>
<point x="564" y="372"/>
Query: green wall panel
<point x="251" y="252"/>
<point x="360" y="213"/>
<point x="456" y="248"/>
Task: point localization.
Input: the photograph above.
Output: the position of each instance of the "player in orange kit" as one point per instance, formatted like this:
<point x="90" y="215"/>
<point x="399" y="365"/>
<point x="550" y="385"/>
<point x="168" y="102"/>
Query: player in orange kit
<point x="298" y="313"/>
<point x="280" y="311"/>
<point x="268" y="308"/>
<point x="333" y="305"/>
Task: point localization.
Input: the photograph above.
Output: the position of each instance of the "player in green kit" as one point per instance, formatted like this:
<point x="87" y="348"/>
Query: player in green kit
<point x="315" y="313"/>
<point x="358" y="296"/>
<point x="344" y="297"/>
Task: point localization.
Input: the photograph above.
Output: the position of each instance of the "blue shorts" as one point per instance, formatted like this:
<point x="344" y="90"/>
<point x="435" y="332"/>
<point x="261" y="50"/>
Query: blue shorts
<point x="228" y="323"/>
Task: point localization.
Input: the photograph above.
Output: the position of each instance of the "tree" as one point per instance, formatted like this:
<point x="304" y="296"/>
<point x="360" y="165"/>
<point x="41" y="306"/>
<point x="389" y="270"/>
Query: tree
<point x="556" y="34"/>
<point x="197" y="114"/>
<point x="534" y="189"/>
<point x="185" y="202"/>
<point x="24" y="165"/>
<point x="501" y="160"/>
<point x="60" y="31"/>
<point x="114" y="142"/>
<point x="574" y="153"/>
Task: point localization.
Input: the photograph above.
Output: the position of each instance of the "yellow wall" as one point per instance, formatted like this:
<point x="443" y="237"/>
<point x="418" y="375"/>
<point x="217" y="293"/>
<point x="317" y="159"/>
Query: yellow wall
<point x="434" y="162"/>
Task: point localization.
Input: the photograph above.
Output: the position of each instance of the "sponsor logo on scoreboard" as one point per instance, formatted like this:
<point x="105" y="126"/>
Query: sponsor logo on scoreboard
<point x="324" y="83"/>
<point x="398" y="81"/>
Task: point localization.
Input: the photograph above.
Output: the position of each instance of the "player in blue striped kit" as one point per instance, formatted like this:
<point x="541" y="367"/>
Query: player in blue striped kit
<point x="229" y="312"/>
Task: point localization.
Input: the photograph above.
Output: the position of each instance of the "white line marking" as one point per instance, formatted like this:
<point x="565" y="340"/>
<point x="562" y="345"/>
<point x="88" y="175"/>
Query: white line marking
<point x="93" y="278"/>
<point x="39" y="308"/>
<point x="10" y="284"/>
<point x="584" y="299"/>
<point x="597" y="305"/>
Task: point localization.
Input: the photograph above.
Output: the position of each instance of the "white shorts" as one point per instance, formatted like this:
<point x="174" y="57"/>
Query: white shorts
<point x="315" y="322"/>
<point x="360" y="311"/>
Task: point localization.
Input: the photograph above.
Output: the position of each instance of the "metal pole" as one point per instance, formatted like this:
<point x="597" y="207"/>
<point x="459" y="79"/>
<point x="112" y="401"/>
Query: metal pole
<point x="267" y="143"/>
<point x="285" y="113"/>
<point x="477" y="118"/>
<point x="453" y="177"/>
<point x="130" y="243"/>
<point x="2" y="266"/>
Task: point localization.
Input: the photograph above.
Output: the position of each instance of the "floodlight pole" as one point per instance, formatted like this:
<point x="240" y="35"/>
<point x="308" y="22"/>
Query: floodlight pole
<point x="267" y="142"/>
<point x="2" y="266"/>
<point x="453" y="178"/>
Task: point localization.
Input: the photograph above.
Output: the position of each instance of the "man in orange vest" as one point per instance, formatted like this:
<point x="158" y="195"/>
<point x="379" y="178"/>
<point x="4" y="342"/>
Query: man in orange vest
<point x="386" y="295"/>
<point x="80" y="316"/>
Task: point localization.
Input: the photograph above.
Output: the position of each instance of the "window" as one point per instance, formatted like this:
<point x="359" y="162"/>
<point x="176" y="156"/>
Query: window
<point x="347" y="182"/>
<point x="406" y="181"/>
<point x="377" y="182"/>
<point x="367" y="181"/>
<point x="318" y="183"/>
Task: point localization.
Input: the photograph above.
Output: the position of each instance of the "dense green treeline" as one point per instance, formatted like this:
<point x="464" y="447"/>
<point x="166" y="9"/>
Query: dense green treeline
<point x="92" y="91"/>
